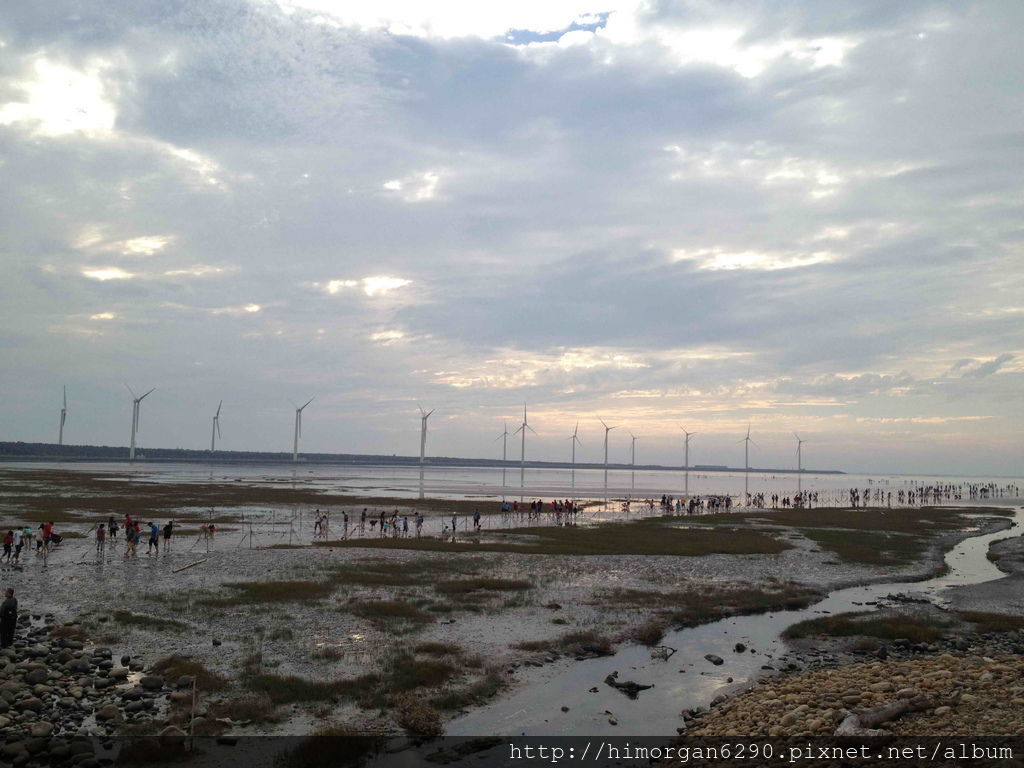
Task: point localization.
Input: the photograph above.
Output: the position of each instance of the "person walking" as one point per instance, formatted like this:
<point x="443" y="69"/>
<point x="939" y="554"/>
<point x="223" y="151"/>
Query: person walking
<point x="8" y="618"/>
<point x="101" y="538"/>
<point x="8" y="546"/>
<point x="18" y="543"/>
<point x="154" y="539"/>
<point x="168" y="532"/>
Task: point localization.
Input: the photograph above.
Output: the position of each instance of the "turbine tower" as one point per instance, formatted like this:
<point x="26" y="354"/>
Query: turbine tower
<point x="298" y="426"/>
<point x="522" y="449"/>
<point x="686" y="459"/>
<point x="136" y="407"/>
<point x="504" y="451"/>
<point x="799" y="462"/>
<point x="215" y="429"/>
<point x="632" y="460"/>
<point x="424" y="415"/>
<point x="575" y="440"/>
<point x="607" y="429"/>
<point x="746" y="464"/>
<point x="63" y="416"/>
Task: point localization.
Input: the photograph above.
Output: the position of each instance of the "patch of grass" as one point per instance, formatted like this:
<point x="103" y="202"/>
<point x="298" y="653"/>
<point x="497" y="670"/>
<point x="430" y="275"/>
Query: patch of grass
<point x="918" y="629"/>
<point x="635" y="538"/>
<point x="70" y="631"/>
<point x="478" y="692"/>
<point x="256" y="707"/>
<point x="129" y="619"/>
<point x="408" y="673"/>
<point x="649" y="633"/>
<point x="985" y="622"/>
<point x="438" y="649"/>
<point x="288" y="689"/>
<point x="576" y="643"/>
<point x="388" y="612"/>
<point x="464" y="586"/>
<point x="281" y="633"/>
<point x="252" y="592"/>
<point x="417" y="716"/>
<point x="170" y="668"/>
<point x="871" y="547"/>
<point x="699" y="605"/>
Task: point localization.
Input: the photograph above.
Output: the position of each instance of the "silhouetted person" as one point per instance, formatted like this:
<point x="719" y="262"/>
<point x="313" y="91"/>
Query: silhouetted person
<point x="8" y="618"/>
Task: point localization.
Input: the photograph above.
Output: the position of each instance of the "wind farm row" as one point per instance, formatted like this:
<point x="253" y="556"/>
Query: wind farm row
<point x="520" y="431"/>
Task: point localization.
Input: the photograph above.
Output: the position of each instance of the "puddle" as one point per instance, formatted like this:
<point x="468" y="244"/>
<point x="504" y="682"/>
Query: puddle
<point x="686" y="679"/>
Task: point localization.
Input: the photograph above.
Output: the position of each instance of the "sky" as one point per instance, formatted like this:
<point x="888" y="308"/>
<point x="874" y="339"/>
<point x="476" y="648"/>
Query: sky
<point x="793" y="216"/>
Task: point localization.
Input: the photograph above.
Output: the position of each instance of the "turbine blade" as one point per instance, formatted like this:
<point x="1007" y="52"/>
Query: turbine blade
<point x="308" y="402"/>
<point x="218" y="408"/>
<point x="530" y="428"/>
<point x="147" y="394"/>
<point x="431" y="411"/>
<point x="218" y="427"/>
<point x="65" y="397"/>
<point x="131" y="390"/>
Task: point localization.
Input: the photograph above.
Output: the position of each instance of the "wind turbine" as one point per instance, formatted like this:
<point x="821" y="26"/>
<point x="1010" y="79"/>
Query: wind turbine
<point x="63" y="416"/>
<point x="799" y="462"/>
<point x="632" y="461"/>
<point x="746" y="462"/>
<point x="575" y="440"/>
<point x="607" y="429"/>
<point x="504" y="451"/>
<point x="215" y="429"/>
<point x="686" y="445"/>
<point x="298" y="426"/>
<point x="522" y="450"/>
<point x="424" y="415"/>
<point x="136" y="403"/>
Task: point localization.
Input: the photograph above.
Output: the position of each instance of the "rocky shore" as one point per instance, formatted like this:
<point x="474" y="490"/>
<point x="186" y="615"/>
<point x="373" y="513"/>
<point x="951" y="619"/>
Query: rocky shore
<point x="63" y="702"/>
<point x="962" y="686"/>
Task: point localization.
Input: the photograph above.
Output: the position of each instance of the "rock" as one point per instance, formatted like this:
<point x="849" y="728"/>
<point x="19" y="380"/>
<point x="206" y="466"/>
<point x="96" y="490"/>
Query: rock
<point x="739" y="648"/>
<point x="121" y="673"/>
<point x="789" y="718"/>
<point x="185" y="681"/>
<point x="216" y="642"/>
<point x="107" y="712"/>
<point x="565" y="709"/>
<point x="31" y="704"/>
<point x="40" y="729"/>
<point x="172" y="736"/>
<point x="612" y="720"/>
<point x="716" y="660"/>
<point x="151" y="682"/>
<point x="125" y="660"/>
<point x="943" y="710"/>
<point x="37" y="676"/>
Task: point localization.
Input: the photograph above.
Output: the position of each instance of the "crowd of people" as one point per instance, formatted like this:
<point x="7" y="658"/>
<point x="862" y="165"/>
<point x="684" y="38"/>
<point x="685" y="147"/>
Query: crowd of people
<point x="132" y="531"/>
<point x="15" y="540"/>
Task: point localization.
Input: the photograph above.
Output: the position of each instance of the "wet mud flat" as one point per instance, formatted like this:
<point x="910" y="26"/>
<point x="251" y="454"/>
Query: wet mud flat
<point x="398" y="639"/>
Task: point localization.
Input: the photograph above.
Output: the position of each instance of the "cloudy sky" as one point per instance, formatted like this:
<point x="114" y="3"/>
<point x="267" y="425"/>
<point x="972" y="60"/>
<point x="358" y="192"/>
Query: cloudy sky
<point x="798" y="215"/>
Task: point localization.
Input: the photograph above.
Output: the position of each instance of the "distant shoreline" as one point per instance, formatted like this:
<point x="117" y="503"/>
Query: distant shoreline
<point x="29" y="452"/>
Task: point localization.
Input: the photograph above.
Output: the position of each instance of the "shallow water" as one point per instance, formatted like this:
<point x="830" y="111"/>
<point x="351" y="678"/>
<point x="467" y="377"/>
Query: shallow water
<point x="687" y="680"/>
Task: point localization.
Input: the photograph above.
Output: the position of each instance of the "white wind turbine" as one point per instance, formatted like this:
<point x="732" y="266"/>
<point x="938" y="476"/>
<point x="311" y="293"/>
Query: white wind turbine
<point x="799" y="462"/>
<point x="63" y="416"/>
<point x="686" y="459"/>
<point x="298" y="426"/>
<point x="215" y="429"/>
<point x="575" y="441"/>
<point x="504" y="451"/>
<point x="746" y="463"/>
<point x="607" y="429"/>
<point x="632" y="460"/>
<point x="136" y="407"/>
<point x="522" y="450"/>
<point x="424" y="415"/>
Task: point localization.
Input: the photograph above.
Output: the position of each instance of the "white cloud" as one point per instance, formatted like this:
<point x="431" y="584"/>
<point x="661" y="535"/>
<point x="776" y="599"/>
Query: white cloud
<point x="103" y="316"/>
<point x="387" y="337"/>
<point x="61" y="100"/>
<point x="199" y="270"/>
<point x="107" y="273"/>
<point x="416" y="188"/>
<point x="378" y="285"/>
<point x="721" y="259"/>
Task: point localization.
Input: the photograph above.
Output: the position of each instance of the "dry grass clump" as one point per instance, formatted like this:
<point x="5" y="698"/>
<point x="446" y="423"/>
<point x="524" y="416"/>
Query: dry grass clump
<point x="170" y="668"/>
<point x="70" y="632"/>
<point x="478" y="692"/>
<point x="388" y="613"/>
<point x="577" y="643"/>
<point x="438" y="649"/>
<point x="255" y="707"/>
<point x="916" y="628"/>
<point x="250" y="592"/>
<point x="288" y="689"/>
<point x="417" y="716"/>
<point x="649" y="633"/>
<point x="463" y="586"/>
<point x="985" y="622"/>
<point x="129" y="619"/>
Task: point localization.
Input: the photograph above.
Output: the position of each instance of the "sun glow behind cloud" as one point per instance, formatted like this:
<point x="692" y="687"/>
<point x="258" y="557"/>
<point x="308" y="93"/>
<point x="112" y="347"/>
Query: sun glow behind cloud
<point x="60" y="100"/>
<point x="377" y="285"/>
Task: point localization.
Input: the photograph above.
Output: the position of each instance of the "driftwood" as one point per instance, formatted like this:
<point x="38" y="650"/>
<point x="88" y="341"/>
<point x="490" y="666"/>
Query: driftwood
<point x="629" y="688"/>
<point x="662" y="652"/>
<point x="186" y="567"/>
<point x="863" y="725"/>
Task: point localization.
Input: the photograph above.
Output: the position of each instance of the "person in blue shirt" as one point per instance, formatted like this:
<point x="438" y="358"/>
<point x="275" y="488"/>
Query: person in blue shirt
<point x="154" y="539"/>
